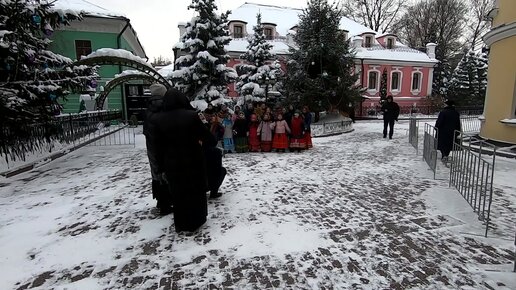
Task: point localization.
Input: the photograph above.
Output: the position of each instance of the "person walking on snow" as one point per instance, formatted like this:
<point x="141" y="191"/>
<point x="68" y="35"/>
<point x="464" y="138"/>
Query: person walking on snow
<point x="447" y="122"/>
<point x="391" y="111"/>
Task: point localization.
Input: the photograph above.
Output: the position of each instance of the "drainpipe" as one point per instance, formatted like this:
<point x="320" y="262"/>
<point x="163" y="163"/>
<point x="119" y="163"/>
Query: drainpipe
<point x="119" y="46"/>
<point x="362" y="84"/>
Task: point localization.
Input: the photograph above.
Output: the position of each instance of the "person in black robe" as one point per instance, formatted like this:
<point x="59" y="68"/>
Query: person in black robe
<point x="447" y="122"/>
<point x="178" y="134"/>
<point x="391" y="111"/>
<point x="160" y="190"/>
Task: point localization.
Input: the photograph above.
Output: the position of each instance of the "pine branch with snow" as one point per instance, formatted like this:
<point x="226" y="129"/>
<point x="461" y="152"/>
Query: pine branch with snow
<point x="202" y="73"/>
<point x="33" y="78"/>
<point x="257" y="71"/>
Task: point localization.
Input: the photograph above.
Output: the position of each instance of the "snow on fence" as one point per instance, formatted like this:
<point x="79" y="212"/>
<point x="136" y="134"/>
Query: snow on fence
<point x="35" y="142"/>
<point x="332" y="128"/>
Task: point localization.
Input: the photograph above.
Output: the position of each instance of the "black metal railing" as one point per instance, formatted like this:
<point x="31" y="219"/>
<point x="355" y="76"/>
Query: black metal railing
<point x="472" y="173"/>
<point x="18" y="142"/>
<point x="430" y="147"/>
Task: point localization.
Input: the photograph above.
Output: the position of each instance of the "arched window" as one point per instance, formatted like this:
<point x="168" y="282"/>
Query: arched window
<point x="395" y="80"/>
<point x="372" y="83"/>
<point x="416" y="81"/>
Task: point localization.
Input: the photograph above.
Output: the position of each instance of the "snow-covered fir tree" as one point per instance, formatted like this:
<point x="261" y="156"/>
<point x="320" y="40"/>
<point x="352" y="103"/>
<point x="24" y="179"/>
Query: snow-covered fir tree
<point x="320" y="72"/>
<point x="202" y="72"/>
<point x="257" y="72"/>
<point x="383" y="85"/>
<point x="32" y="78"/>
<point x="468" y="82"/>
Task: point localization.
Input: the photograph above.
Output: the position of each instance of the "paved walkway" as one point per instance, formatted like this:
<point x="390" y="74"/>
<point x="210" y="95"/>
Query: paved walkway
<point x="355" y="212"/>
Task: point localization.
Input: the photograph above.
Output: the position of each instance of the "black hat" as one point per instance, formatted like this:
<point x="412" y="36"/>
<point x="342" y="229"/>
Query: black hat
<point x="450" y="102"/>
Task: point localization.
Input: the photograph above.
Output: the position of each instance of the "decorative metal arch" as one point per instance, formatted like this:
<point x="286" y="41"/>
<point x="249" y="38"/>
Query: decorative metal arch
<point x="118" y="81"/>
<point x="153" y="75"/>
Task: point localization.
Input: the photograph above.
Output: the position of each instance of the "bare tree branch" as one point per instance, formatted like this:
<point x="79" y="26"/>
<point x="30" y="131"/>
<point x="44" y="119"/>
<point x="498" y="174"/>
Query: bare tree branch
<point x="379" y="15"/>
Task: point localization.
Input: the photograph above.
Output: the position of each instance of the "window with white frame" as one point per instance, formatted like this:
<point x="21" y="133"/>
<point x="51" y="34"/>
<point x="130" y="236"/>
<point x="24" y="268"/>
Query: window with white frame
<point x="372" y="81"/>
<point x="416" y="81"/>
<point x="395" y="81"/>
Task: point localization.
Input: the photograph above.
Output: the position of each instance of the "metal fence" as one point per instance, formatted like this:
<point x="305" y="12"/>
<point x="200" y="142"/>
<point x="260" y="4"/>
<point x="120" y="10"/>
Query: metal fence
<point x="430" y="147"/>
<point x="414" y="133"/>
<point x="472" y="173"/>
<point x="331" y="128"/>
<point x="17" y="143"/>
<point x="113" y="134"/>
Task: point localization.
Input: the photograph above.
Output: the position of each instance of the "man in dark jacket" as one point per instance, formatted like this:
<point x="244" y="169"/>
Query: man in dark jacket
<point x="178" y="134"/>
<point x="391" y="111"/>
<point x="160" y="190"/>
<point x="447" y="122"/>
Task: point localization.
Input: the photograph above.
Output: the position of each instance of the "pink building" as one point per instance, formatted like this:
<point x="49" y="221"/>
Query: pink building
<point x="409" y="71"/>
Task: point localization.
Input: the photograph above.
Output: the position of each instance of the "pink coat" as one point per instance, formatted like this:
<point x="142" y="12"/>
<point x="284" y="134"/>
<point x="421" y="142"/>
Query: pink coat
<point x="281" y="127"/>
<point x="265" y="130"/>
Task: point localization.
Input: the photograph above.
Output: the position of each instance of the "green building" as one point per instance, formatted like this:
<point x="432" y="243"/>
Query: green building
<point x="100" y="28"/>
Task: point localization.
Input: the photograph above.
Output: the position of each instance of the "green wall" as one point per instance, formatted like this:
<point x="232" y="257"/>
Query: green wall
<point x="64" y="44"/>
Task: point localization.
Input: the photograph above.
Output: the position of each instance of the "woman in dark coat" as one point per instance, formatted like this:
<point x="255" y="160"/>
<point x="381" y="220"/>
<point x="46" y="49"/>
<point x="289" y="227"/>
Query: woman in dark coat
<point x="178" y="133"/>
<point x="447" y="122"/>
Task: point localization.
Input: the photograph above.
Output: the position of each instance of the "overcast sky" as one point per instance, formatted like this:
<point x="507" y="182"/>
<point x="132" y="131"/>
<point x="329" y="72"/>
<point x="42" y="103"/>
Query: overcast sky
<point x="156" y="21"/>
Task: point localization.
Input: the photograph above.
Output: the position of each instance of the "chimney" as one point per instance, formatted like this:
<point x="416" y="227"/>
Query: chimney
<point x="430" y="50"/>
<point x="357" y="41"/>
<point x="182" y="29"/>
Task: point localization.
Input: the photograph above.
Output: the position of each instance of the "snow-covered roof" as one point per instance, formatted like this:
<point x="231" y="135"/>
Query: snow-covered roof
<point x="112" y="52"/>
<point x="240" y="45"/>
<point x="284" y="17"/>
<point x="399" y="53"/>
<point x="85" y="7"/>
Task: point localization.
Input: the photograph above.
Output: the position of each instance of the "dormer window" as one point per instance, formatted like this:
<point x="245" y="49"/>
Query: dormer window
<point x="268" y="33"/>
<point x="238" y="31"/>
<point x="368" y="41"/>
<point x="390" y="43"/>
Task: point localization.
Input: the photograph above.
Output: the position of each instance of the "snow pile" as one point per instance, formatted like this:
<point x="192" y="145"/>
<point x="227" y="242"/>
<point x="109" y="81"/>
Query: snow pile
<point x="121" y="53"/>
<point x="129" y="73"/>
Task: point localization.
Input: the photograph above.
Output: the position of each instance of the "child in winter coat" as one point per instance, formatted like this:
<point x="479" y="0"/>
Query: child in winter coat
<point x="241" y="129"/>
<point x="229" y="145"/>
<point x="217" y="130"/>
<point x="280" y="139"/>
<point x="297" y="140"/>
<point x="265" y="133"/>
<point x="307" y="117"/>
<point x="254" y="140"/>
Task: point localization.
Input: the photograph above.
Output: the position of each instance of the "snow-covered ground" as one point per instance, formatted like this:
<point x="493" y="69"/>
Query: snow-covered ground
<point x="355" y="212"/>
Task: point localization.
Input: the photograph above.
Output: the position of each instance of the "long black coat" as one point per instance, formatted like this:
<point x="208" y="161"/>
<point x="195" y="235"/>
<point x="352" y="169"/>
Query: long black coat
<point x="390" y="110"/>
<point x="155" y="105"/>
<point x="176" y="131"/>
<point x="447" y="122"/>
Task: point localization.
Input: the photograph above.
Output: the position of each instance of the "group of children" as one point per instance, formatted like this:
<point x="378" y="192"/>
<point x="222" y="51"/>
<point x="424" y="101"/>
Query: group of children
<point x="258" y="129"/>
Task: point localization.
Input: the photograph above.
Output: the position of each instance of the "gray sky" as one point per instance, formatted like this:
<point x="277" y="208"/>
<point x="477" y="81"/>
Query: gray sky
<point x="155" y="21"/>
